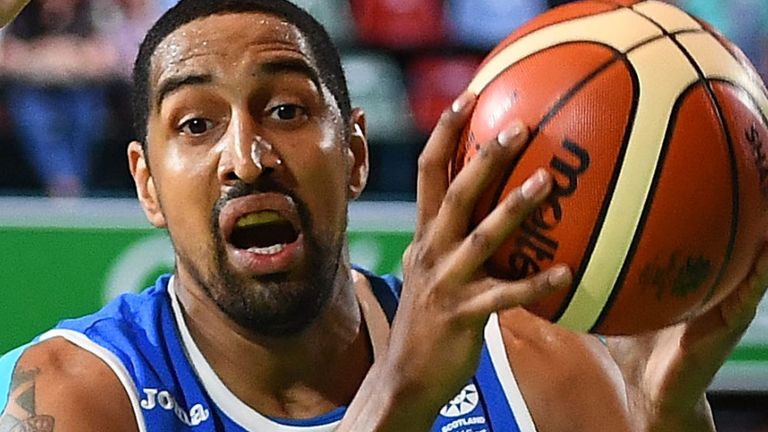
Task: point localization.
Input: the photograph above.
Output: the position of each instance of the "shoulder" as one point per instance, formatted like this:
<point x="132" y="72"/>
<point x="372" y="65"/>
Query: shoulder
<point x="57" y="382"/>
<point x="388" y="282"/>
<point x="128" y="314"/>
<point x="386" y="288"/>
<point x="84" y="365"/>
<point x="568" y="380"/>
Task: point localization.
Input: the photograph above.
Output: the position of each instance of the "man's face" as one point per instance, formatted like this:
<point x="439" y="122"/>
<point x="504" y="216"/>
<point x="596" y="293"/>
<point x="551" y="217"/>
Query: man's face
<point x="262" y="234"/>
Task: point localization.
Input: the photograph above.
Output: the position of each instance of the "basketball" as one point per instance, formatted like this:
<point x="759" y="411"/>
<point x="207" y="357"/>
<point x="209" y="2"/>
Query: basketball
<point x="654" y="129"/>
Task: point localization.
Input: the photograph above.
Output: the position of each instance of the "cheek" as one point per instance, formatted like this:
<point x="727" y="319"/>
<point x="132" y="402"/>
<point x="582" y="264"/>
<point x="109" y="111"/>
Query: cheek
<point x="314" y="157"/>
<point x="188" y="189"/>
<point x="325" y="185"/>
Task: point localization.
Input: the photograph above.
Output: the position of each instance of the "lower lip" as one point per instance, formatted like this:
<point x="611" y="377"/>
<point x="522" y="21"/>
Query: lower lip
<point x="264" y="264"/>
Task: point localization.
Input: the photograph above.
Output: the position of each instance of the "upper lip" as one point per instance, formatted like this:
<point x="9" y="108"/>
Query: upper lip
<point x="239" y="207"/>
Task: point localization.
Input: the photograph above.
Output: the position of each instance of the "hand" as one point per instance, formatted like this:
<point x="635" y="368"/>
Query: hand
<point x="447" y="298"/>
<point x="668" y="372"/>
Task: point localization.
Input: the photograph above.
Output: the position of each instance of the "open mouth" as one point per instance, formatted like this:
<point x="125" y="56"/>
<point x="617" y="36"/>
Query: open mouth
<point x="263" y="232"/>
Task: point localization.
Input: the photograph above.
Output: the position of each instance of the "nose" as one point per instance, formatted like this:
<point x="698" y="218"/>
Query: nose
<point x="247" y="157"/>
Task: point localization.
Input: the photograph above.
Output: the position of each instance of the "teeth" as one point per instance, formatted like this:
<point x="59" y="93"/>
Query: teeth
<point x="258" y="218"/>
<point x="270" y="250"/>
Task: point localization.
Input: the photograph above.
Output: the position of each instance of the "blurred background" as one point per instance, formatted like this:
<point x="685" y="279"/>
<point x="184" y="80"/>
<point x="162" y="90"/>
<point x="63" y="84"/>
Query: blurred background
<point x="65" y="66"/>
<point x="65" y="121"/>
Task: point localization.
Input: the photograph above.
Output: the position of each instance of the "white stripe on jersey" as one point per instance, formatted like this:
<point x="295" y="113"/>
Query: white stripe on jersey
<point x="111" y="360"/>
<point x="237" y="410"/>
<point x="498" y="354"/>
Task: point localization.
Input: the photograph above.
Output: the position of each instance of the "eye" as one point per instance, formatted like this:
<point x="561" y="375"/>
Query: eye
<point x="196" y="126"/>
<point x="287" y="112"/>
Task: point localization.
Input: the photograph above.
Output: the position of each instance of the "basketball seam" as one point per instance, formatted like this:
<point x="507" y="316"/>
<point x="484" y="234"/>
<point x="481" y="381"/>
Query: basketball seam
<point x="563" y="100"/>
<point x="724" y="128"/>
<point x="703" y="79"/>
<point x="612" y="3"/>
<point x="659" y="167"/>
<point x="551" y="112"/>
<point x="608" y="196"/>
<point x="735" y="190"/>
<point x="735" y="207"/>
<point x="638" y="234"/>
<point x="665" y="32"/>
<point x="618" y="55"/>
<point x="534" y="133"/>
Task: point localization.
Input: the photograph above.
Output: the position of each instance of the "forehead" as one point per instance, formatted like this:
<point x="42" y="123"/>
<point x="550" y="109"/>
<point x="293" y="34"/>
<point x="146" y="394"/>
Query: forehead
<point x="227" y="40"/>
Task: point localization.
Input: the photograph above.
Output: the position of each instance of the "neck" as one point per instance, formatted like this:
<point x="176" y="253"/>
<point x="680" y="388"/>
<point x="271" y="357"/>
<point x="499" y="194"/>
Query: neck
<point x="300" y="376"/>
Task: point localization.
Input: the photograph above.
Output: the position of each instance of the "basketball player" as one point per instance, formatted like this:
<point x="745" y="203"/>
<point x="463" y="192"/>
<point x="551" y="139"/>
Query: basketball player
<point x="250" y="153"/>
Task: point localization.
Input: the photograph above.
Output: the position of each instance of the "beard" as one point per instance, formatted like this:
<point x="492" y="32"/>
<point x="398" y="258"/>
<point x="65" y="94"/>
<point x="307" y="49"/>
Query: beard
<point x="277" y="305"/>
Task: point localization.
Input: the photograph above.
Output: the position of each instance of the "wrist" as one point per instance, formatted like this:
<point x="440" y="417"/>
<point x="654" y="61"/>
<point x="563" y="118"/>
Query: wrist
<point x="389" y="401"/>
<point x="697" y="418"/>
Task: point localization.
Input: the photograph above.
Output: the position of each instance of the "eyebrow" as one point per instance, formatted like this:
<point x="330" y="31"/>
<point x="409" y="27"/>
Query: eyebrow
<point x="173" y="84"/>
<point x="277" y="67"/>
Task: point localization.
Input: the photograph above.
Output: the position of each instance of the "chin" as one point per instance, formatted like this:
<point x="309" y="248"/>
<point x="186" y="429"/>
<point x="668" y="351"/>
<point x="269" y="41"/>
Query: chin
<point x="281" y="304"/>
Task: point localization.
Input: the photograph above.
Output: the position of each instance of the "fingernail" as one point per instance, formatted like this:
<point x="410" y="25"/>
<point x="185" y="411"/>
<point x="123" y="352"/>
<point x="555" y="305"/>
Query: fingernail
<point x="509" y="134"/>
<point x="559" y="276"/>
<point x="462" y="102"/>
<point x="535" y="183"/>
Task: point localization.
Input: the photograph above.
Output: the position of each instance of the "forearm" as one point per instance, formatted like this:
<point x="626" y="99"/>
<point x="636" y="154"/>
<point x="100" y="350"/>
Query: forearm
<point x="383" y="405"/>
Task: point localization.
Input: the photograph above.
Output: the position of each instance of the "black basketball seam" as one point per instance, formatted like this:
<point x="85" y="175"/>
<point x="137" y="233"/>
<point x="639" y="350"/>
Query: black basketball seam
<point x="564" y="20"/>
<point x="664" y="29"/>
<point x="552" y="111"/>
<point x="659" y="168"/>
<point x="612" y="3"/>
<point x="671" y="34"/>
<point x="637" y="236"/>
<point x="614" y="178"/>
<point x="534" y="133"/>
<point x="736" y="189"/>
<point x="724" y="127"/>
<point x="608" y="197"/>
<point x="562" y="101"/>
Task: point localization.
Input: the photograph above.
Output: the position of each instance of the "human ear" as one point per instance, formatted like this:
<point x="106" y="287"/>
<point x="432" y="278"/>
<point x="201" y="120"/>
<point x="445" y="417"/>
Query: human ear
<point x="357" y="154"/>
<point x="145" y="184"/>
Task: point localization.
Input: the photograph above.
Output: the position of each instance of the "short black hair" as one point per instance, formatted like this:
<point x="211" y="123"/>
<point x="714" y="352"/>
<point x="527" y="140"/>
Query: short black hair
<point x="324" y="52"/>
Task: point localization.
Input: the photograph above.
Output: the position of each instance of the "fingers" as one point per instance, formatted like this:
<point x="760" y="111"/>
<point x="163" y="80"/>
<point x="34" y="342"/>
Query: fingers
<point x="723" y="325"/>
<point x="739" y="308"/>
<point x="434" y="159"/>
<point x="490" y="161"/>
<point x="498" y="294"/>
<point x="485" y="239"/>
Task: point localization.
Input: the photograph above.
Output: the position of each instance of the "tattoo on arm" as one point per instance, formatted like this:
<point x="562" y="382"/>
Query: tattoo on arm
<point x="8" y="423"/>
<point x="23" y="395"/>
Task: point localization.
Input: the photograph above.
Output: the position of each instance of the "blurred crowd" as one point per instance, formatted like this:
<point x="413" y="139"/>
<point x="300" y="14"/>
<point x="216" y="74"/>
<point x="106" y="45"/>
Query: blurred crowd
<point x="62" y="62"/>
<point x="65" y="65"/>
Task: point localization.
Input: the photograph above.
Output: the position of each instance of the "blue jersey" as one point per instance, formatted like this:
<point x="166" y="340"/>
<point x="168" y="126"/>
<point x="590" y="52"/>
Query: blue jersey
<point x="143" y="338"/>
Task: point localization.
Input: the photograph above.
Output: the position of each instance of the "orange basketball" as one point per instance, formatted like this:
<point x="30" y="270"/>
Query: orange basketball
<point x="654" y="129"/>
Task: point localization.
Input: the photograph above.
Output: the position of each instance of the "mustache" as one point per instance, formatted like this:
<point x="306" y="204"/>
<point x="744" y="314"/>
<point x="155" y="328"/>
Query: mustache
<point x="264" y="185"/>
